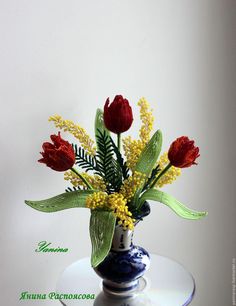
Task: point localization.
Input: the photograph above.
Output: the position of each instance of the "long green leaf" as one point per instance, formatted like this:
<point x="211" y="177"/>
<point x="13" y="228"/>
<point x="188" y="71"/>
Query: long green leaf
<point x="99" y="124"/>
<point x="171" y="202"/>
<point x="102" y="226"/>
<point x="146" y="163"/>
<point x="62" y="201"/>
<point x="149" y="155"/>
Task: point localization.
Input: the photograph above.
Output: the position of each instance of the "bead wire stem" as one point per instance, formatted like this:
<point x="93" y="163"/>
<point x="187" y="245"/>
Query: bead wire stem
<point x="160" y="175"/>
<point x="118" y="140"/>
<point x="82" y="178"/>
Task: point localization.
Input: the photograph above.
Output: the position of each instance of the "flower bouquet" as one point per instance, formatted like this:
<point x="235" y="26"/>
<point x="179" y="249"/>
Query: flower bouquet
<point x="114" y="187"/>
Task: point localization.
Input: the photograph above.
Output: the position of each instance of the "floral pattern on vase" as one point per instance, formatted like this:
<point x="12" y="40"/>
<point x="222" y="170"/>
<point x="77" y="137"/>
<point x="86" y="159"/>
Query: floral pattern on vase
<point x="125" y="263"/>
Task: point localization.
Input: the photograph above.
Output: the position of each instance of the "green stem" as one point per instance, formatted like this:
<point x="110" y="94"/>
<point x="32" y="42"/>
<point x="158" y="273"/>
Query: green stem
<point x="118" y="140"/>
<point x="160" y="175"/>
<point x="82" y="178"/>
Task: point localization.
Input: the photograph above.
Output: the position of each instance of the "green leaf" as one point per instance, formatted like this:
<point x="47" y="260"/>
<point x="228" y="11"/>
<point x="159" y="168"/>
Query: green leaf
<point x="120" y="160"/>
<point x="146" y="163"/>
<point x="149" y="155"/>
<point x="102" y="226"/>
<point x="62" y="201"/>
<point x="99" y="124"/>
<point x="106" y="166"/>
<point x="152" y="177"/>
<point x="172" y="203"/>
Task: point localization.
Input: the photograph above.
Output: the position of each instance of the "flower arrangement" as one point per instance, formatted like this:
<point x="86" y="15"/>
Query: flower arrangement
<point x="115" y="187"/>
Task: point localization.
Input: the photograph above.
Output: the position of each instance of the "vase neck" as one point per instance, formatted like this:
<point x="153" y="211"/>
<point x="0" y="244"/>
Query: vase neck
<point x="122" y="239"/>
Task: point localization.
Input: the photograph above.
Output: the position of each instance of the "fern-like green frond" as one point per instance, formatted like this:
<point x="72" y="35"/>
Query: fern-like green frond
<point x="83" y="159"/>
<point x="120" y="161"/>
<point x="107" y="167"/>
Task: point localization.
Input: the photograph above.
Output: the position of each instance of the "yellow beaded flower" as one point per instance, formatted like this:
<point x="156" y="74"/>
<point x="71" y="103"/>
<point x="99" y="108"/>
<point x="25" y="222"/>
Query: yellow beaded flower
<point x="131" y="184"/>
<point x="97" y="200"/>
<point x="115" y="202"/>
<point x="94" y="180"/>
<point x="67" y="125"/>
<point x="133" y="148"/>
<point x="170" y="176"/>
<point x="147" y="119"/>
<point x="118" y="204"/>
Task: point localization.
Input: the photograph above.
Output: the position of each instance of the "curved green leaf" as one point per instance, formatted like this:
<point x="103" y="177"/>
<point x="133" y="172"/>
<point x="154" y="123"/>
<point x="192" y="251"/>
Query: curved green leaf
<point x="99" y="124"/>
<point x="172" y="203"/>
<point x="149" y="155"/>
<point x="102" y="226"/>
<point x="146" y="163"/>
<point x="62" y="201"/>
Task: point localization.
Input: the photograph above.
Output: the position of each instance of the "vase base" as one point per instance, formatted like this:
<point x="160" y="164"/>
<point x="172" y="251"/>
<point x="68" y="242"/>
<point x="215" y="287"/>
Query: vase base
<point x="129" y="290"/>
<point x="165" y="283"/>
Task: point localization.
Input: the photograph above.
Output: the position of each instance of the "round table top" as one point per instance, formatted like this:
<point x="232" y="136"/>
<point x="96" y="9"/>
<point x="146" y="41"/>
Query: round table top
<point x="168" y="284"/>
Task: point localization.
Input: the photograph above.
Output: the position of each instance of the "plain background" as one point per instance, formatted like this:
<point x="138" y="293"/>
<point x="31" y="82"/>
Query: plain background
<point x="67" y="57"/>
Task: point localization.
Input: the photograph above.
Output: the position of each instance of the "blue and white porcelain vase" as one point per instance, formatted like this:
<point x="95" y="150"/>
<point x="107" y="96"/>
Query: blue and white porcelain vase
<point x="125" y="264"/>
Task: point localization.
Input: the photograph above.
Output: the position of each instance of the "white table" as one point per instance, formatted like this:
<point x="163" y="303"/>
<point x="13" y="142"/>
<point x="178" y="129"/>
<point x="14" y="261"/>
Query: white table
<point x="166" y="283"/>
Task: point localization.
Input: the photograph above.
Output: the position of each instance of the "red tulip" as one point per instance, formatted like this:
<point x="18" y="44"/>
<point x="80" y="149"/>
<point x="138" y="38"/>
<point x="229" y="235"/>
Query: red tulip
<point x="118" y="116"/>
<point x="183" y="153"/>
<point x="60" y="155"/>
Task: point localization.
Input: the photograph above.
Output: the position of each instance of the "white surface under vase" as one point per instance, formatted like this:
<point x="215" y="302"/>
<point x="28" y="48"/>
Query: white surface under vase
<point x="167" y="283"/>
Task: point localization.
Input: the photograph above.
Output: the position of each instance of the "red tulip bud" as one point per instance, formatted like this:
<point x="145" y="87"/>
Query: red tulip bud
<point x="60" y="155"/>
<point x="118" y="116"/>
<point x="183" y="153"/>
